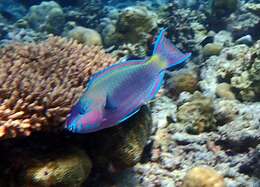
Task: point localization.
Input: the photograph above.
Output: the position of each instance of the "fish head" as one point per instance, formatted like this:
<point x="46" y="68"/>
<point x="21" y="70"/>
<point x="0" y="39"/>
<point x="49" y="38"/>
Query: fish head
<point x="84" y="123"/>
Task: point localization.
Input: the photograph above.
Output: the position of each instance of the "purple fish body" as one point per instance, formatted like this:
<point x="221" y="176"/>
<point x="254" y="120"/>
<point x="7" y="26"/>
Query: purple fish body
<point x="117" y="92"/>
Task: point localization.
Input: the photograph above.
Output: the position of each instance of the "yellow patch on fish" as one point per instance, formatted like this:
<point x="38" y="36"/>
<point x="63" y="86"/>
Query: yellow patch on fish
<point x="156" y="59"/>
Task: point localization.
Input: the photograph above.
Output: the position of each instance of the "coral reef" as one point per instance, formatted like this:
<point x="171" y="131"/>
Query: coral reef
<point x="221" y="8"/>
<point x="203" y="176"/>
<point x="163" y="145"/>
<point x="22" y="35"/>
<point x="243" y="23"/>
<point x="40" y="83"/>
<point x="85" y="36"/>
<point x="186" y="80"/>
<point x="224" y="90"/>
<point x="247" y="40"/>
<point x="126" y="140"/>
<point x="237" y="65"/>
<point x="197" y="114"/>
<point x="186" y="26"/>
<point x="64" y="168"/>
<point x="48" y="16"/>
<point x="223" y="38"/>
<point x="211" y="49"/>
<point x="131" y="26"/>
<point x="252" y="165"/>
<point x="253" y="7"/>
<point x="87" y="13"/>
<point x="58" y="160"/>
<point x="230" y="149"/>
<point x="44" y="161"/>
<point x="12" y="10"/>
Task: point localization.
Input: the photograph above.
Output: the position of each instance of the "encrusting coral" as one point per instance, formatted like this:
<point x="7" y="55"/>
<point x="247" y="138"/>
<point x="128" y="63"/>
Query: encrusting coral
<point x="197" y="114"/>
<point x="202" y="176"/>
<point x="39" y="83"/>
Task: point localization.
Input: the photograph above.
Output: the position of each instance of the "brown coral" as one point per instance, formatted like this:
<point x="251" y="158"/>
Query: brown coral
<point x="202" y="176"/>
<point x="40" y="82"/>
<point x="197" y="114"/>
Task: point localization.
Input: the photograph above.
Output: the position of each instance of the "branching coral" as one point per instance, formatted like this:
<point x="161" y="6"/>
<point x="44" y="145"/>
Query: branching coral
<point x="40" y="82"/>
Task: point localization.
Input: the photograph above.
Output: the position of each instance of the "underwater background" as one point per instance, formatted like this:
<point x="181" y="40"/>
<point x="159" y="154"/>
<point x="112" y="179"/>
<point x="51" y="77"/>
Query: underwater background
<point x="202" y="130"/>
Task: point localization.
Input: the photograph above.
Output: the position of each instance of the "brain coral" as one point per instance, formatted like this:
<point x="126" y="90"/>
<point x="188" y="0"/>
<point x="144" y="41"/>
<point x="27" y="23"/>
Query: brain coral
<point x="40" y="82"/>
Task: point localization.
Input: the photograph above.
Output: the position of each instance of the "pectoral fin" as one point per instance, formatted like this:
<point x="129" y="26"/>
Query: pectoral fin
<point x="110" y="105"/>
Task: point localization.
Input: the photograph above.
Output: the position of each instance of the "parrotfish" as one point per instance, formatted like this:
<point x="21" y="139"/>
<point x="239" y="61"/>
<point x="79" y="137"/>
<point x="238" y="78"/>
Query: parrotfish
<point x="116" y="93"/>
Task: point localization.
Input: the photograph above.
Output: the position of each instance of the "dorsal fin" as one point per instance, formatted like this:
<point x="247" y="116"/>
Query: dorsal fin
<point x="113" y="67"/>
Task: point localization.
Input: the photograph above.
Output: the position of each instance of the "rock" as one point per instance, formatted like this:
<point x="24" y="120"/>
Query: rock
<point x="211" y="49"/>
<point x="183" y="81"/>
<point x="244" y="23"/>
<point x="48" y="17"/>
<point x="3" y="30"/>
<point x="21" y="23"/>
<point x="62" y="169"/>
<point x="131" y="25"/>
<point x="43" y="164"/>
<point x="197" y="114"/>
<point x="203" y="176"/>
<point x="185" y="139"/>
<point x="224" y="90"/>
<point x="85" y="36"/>
<point x="188" y="3"/>
<point x="223" y="8"/>
<point x="254" y="71"/>
<point x="242" y="130"/>
<point x="252" y="165"/>
<point x="121" y="146"/>
<point x="238" y="65"/>
<point x="85" y="13"/>
<point x="185" y="25"/>
<point x="247" y="40"/>
<point x="12" y="10"/>
<point x="137" y="19"/>
<point x="253" y="7"/>
<point x="207" y="39"/>
<point x="224" y="38"/>
<point x="225" y="111"/>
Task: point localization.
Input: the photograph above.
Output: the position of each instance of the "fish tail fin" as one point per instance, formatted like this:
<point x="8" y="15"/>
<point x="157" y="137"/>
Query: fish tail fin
<point x="169" y="55"/>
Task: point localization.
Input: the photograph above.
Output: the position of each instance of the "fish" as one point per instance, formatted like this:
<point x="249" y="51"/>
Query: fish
<point x="116" y="93"/>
